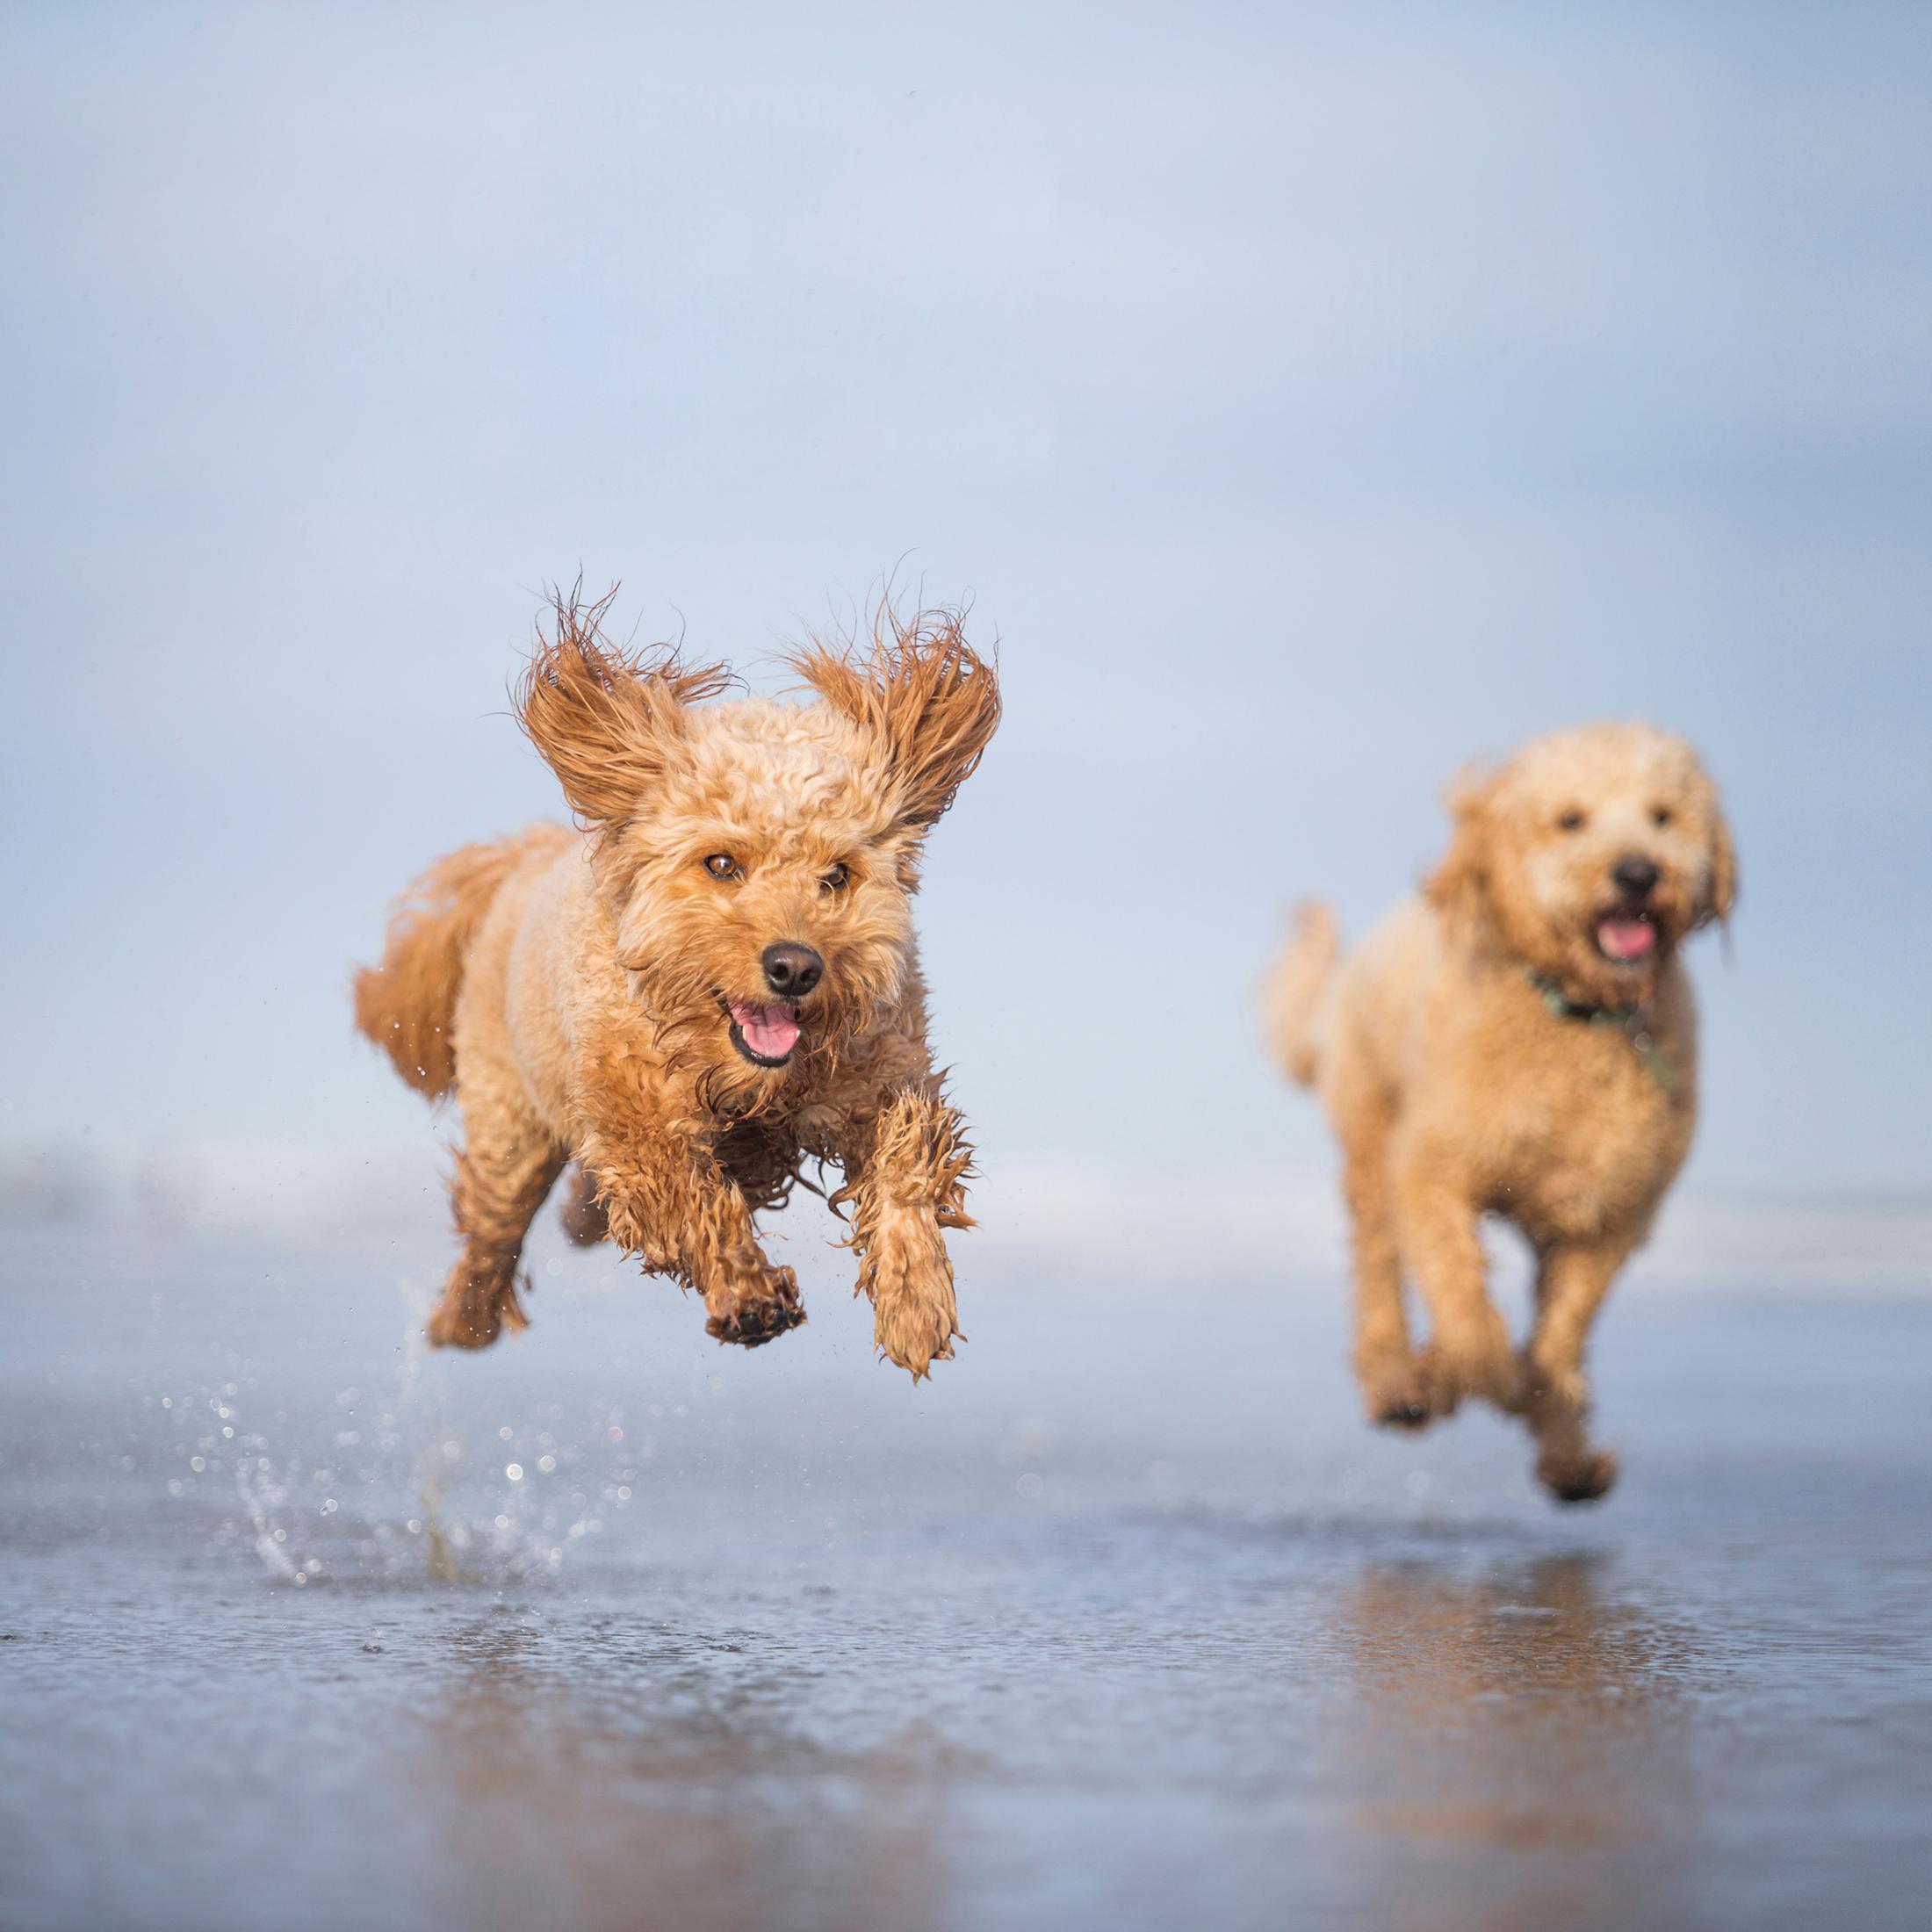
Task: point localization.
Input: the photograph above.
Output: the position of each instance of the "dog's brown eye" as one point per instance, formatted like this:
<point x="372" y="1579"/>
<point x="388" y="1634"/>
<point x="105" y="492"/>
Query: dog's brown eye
<point x="721" y="865"/>
<point x="837" y="879"/>
<point x="1659" y="815"/>
<point x="1572" y="820"/>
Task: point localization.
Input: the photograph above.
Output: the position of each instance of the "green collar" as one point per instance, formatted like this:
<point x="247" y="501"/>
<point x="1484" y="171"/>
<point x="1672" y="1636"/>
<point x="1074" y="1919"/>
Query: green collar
<point x="1564" y="1008"/>
<point x="1634" y="1022"/>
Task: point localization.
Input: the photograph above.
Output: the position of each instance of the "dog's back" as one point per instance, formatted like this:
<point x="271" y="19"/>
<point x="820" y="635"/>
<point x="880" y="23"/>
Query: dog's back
<point x="406" y="1004"/>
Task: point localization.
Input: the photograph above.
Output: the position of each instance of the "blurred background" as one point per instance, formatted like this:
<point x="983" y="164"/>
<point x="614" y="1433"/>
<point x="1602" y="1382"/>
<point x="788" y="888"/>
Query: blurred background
<point x="1306" y="401"/>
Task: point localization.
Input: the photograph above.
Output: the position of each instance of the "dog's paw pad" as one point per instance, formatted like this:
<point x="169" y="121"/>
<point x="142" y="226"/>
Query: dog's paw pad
<point x="753" y="1326"/>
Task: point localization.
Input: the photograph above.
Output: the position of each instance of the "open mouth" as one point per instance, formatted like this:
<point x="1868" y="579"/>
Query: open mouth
<point x="1626" y="937"/>
<point x="767" y="1035"/>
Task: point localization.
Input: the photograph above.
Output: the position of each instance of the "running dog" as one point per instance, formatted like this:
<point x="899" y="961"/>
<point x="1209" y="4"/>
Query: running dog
<point x="711" y="981"/>
<point x="1517" y="1039"/>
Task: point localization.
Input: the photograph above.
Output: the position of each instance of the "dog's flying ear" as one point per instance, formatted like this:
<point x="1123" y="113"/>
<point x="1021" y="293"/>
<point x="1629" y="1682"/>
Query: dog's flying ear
<point x="932" y="701"/>
<point x="1463" y="874"/>
<point x="606" y="720"/>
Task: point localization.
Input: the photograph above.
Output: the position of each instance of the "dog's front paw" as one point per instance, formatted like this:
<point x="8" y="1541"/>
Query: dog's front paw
<point x="909" y="1278"/>
<point x="1577" y="1475"/>
<point x="751" y="1319"/>
<point x="915" y="1334"/>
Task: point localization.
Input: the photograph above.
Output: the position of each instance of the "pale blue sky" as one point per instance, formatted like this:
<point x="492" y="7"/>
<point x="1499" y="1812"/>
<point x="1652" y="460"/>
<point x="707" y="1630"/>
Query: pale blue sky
<point x="1308" y="399"/>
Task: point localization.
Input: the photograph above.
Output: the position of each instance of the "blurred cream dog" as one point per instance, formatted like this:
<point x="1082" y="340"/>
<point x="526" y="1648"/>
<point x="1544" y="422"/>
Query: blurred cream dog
<point x="1517" y="1039"/>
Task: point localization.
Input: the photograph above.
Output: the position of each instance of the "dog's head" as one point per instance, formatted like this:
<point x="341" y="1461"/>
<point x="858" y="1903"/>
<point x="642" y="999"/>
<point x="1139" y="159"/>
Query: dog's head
<point x="1591" y="855"/>
<point x="759" y="860"/>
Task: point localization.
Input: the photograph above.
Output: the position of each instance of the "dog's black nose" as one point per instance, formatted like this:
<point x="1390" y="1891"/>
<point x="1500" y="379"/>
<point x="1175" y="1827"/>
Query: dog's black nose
<point x="1635" y="875"/>
<point x="792" y="970"/>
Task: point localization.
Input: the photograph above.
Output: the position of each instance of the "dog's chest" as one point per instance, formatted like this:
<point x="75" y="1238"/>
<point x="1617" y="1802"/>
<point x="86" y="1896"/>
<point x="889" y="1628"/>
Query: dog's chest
<point x="1586" y="1131"/>
<point x="762" y="1156"/>
<point x="764" y="1152"/>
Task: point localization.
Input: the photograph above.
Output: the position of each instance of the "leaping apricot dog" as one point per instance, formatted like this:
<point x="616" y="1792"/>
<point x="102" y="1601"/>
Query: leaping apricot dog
<point x="711" y="981"/>
<point x="1519" y="1040"/>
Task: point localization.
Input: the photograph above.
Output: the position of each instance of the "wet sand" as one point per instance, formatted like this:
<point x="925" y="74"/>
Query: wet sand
<point x="1128" y="1622"/>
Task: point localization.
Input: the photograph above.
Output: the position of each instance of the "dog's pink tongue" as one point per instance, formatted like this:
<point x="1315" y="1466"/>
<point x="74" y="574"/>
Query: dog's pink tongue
<point x="1624" y="939"/>
<point x="770" y="1032"/>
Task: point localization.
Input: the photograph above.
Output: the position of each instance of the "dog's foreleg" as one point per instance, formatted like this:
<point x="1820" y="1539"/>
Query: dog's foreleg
<point x="1469" y="1354"/>
<point x="905" y="1187"/>
<point x="668" y="1199"/>
<point x="1571" y="1283"/>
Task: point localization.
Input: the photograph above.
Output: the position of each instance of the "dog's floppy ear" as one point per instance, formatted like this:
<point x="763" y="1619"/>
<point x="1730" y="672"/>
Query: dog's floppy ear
<point x="930" y="700"/>
<point x="1463" y="875"/>
<point x="606" y="720"/>
<point x="1720" y="895"/>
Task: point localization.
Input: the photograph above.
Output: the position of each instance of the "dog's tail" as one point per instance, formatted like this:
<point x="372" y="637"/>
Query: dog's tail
<point x="1293" y="994"/>
<point x="407" y="1004"/>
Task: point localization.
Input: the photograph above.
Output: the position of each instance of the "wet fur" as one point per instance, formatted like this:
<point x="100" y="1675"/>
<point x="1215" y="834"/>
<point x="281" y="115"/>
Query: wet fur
<point x="565" y="986"/>
<point x="1456" y="1091"/>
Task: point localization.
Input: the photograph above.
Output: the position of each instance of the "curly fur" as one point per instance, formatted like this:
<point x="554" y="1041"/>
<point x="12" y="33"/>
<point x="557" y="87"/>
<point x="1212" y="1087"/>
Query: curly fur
<point x="1483" y="1053"/>
<point x="574" y="988"/>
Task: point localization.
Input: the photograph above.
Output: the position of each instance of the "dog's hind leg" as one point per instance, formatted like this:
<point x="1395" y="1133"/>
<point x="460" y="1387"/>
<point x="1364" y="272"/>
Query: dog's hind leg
<point x="1571" y="1283"/>
<point x="584" y="1217"/>
<point x="1386" y="1368"/>
<point x="502" y="1178"/>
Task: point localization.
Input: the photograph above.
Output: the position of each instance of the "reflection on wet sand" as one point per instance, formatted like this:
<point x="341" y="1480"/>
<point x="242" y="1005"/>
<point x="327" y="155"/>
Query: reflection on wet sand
<point x="1524" y="1748"/>
<point x="646" y="1786"/>
<point x="835" y="1669"/>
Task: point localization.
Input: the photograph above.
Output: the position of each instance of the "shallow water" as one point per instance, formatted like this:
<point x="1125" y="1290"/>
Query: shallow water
<point x="1127" y="1622"/>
